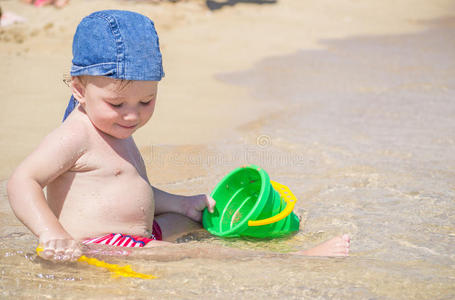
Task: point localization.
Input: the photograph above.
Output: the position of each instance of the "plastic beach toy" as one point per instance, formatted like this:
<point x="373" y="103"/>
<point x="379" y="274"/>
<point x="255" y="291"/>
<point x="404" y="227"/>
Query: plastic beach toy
<point x="248" y="203"/>
<point x="116" y="270"/>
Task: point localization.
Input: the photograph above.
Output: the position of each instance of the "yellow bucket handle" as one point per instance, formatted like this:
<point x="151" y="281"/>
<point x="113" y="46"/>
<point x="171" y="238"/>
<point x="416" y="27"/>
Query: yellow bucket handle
<point x="288" y="197"/>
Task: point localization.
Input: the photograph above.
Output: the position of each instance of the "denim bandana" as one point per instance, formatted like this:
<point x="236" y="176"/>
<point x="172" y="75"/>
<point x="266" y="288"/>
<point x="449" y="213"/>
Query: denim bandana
<point x="116" y="44"/>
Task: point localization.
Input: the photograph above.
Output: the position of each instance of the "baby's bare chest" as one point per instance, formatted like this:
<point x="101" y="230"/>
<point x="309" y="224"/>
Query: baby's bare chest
<point x="112" y="159"/>
<point x="110" y="179"/>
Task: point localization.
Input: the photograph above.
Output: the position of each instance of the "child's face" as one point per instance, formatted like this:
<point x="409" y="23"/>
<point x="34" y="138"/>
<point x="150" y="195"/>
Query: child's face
<point x="118" y="109"/>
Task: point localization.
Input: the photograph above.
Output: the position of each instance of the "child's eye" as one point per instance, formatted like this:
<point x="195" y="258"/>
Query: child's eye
<point x="116" y="105"/>
<point x="146" y="102"/>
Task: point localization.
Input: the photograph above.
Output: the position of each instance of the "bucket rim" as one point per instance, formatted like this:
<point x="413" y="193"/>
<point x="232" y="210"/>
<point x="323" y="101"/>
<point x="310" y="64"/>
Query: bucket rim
<point x="255" y="211"/>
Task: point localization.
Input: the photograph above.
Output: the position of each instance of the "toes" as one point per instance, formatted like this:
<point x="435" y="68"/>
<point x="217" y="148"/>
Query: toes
<point x="343" y="252"/>
<point x="347" y="240"/>
<point x="342" y="246"/>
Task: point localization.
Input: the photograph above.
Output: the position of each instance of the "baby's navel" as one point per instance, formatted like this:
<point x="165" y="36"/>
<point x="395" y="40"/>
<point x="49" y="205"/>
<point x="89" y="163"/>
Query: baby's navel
<point x="117" y="172"/>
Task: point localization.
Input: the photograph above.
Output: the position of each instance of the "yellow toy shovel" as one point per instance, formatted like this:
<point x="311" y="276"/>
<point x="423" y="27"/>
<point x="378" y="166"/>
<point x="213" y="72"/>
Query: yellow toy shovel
<point x="116" y="270"/>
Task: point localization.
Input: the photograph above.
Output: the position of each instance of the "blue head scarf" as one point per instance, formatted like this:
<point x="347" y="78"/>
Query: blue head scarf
<point x="116" y="44"/>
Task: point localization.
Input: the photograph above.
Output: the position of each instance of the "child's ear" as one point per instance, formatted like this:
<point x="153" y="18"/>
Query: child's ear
<point x="78" y="89"/>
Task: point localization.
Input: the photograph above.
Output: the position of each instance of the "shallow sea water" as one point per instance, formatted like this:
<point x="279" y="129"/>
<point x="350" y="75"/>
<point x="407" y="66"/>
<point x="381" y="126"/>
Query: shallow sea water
<point x="363" y="132"/>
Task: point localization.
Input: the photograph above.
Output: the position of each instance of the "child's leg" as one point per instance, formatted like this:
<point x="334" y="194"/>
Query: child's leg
<point x="337" y="246"/>
<point x="175" y="225"/>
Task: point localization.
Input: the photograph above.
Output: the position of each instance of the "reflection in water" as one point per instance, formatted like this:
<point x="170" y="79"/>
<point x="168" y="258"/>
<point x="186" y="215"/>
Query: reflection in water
<point x="363" y="133"/>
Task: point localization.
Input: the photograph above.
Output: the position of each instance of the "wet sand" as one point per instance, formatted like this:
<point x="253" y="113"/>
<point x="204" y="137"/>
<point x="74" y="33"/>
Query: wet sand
<point x="350" y="104"/>
<point x="197" y="43"/>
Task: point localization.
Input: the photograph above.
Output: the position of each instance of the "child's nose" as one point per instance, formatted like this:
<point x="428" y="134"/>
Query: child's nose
<point x="131" y="115"/>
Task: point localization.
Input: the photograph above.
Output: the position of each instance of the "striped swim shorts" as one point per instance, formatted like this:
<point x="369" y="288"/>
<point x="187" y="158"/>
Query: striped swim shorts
<point x="125" y="240"/>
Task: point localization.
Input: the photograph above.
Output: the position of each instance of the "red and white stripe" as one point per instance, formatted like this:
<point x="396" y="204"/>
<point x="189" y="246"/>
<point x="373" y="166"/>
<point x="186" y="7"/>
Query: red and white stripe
<point x="116" y="240"/>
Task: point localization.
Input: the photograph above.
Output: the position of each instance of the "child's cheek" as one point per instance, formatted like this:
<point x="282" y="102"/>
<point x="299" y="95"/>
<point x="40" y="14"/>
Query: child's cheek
<point x="111" y="115"/>
<point x="107" y="111"/>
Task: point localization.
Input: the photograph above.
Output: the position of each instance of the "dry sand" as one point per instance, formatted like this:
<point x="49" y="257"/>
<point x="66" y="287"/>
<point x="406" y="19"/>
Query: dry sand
<point x="194" y="107"/>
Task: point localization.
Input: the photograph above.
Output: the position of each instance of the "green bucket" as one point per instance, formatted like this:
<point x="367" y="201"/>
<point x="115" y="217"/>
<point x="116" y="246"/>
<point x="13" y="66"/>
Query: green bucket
<point x="249" y="204"/>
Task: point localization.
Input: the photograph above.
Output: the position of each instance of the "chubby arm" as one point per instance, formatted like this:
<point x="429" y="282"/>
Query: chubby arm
<point x="56" y="154"/>
<point x="190" y="206"/>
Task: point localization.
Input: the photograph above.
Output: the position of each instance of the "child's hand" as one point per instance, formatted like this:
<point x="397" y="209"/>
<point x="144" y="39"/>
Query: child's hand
<point x="195" y="205"/>
<point x="60" y="250"/>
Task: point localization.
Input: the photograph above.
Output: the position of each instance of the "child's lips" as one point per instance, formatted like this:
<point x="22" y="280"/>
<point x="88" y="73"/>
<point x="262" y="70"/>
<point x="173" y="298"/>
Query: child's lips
<point x="128" y="127"/>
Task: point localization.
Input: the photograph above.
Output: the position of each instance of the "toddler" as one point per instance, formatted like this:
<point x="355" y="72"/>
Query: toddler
<point x="97" y="186"/>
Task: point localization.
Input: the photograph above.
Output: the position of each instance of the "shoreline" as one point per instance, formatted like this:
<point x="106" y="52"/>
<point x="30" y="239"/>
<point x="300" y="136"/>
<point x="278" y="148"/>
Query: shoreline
<point x="194" y="107"/>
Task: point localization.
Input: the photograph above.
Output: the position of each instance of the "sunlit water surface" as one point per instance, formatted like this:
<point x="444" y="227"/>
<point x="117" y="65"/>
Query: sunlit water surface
<point x="363" y="132"/>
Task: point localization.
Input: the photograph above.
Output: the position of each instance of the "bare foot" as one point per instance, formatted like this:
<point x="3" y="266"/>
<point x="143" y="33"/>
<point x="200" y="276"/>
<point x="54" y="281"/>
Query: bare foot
<point x="337" y="246"/>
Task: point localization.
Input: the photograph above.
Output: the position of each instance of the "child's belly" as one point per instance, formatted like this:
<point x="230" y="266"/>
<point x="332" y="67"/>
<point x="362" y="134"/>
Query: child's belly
<point x="96" y="205"/>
